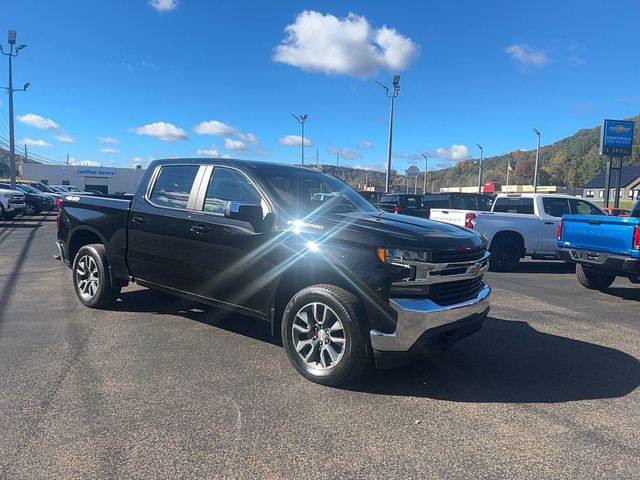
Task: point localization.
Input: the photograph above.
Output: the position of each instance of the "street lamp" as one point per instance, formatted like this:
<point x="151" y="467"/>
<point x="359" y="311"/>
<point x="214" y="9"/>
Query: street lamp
<point x="392" y="96"/>
<point x="301" y="120"/>
<point x="13" y="52"/>
<point x="535" y="171"/>
<point x="426" y="161"/>
<point x="480" y="168"/>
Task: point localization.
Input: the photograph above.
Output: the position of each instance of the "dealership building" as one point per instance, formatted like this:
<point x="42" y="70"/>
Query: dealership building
<point x="102" y="179"/>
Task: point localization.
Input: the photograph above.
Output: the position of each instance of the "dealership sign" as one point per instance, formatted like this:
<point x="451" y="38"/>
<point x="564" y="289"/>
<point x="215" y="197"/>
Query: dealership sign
<point x="616" y="138"/>
<point x="95" y="171"/>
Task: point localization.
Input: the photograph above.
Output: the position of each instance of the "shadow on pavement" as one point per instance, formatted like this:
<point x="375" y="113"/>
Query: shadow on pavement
<point x="153" y="301"/>
<point x="631" y="293"/>
<point x="16" y="224"/>
<point x="506" y="362"/>
<point x="511" y="362"/>
<point x="545" y="266"/>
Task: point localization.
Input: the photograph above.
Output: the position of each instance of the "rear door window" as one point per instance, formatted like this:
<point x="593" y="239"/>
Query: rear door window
<point x="555" y="207"/>
<point x="173" y="186"/>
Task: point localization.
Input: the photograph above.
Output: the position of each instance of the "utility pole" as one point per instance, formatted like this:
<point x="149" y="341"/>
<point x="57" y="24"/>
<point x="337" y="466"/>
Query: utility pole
<point x="426" y="162"/>
<point x="301" y="120"/>
<point x="392" y="96"/>
<point x="480" y="168"/>
<point x="535" y="173"/>
<point x="12" y="150"/>
<point x="67" y="159"/>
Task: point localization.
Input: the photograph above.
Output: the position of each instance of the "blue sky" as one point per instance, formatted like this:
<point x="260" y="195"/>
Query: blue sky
<point x="165" y="78"/>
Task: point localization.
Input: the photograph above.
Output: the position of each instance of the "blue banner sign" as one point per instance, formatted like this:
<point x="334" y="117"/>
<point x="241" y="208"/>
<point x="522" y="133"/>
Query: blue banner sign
<point x="95" y="171"/>
<point x="616" y="138"/>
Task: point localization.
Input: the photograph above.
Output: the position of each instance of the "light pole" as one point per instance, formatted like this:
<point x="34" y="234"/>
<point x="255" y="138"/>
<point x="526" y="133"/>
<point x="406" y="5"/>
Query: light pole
<point x="10" y="90"/>
<point x="535" y="171"/>
<point x="426" y="162"/>
<point x="301" y="120"/>
<point x="480" y="167"/>
<point x="392" y="96"/>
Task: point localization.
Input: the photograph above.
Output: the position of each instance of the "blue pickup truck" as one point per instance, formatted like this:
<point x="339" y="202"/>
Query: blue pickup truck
<point x="602" y="247"/>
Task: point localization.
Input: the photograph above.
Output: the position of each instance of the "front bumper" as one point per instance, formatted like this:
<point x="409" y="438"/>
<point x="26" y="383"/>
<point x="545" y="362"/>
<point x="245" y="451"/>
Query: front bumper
<point x="416" y="317"/>
<point x="15" y="207"/>
<point x="618" y="264"/>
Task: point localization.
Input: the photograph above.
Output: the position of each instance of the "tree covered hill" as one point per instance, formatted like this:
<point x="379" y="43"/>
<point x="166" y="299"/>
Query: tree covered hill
<point x="572" y="161"/>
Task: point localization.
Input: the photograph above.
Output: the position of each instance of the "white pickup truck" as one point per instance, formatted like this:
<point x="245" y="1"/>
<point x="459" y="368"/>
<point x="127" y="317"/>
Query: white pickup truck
<point x="519" y="225"/>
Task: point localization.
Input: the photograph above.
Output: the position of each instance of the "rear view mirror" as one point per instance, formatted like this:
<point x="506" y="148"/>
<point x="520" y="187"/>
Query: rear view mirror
<point x="246" y="212"/>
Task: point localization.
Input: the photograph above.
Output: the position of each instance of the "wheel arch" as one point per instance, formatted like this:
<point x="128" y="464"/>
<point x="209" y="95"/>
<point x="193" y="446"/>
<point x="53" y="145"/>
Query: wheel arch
<point x="80" y="237"/>
<point x="512" y="235"/>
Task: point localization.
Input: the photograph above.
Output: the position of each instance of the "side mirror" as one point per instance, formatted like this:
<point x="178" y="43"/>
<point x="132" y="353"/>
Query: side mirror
<point x="246" y="212"/>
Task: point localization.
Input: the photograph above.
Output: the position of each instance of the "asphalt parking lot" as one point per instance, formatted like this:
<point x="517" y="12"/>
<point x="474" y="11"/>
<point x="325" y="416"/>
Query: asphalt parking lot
<point x="161" y="388"/>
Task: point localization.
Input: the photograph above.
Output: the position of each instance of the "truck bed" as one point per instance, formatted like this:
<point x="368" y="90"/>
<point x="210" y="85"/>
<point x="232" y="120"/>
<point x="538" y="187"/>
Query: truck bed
<point x="600" y="233"/>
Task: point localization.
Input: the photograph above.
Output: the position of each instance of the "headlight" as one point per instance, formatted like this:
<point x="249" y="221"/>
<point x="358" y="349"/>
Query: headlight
<point x="399" y="254"/>
<point x="8" y="195"/>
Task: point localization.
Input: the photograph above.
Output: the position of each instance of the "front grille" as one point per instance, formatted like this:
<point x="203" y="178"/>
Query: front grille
<point x="457" y="256"/>
<point x="455" y="292"/>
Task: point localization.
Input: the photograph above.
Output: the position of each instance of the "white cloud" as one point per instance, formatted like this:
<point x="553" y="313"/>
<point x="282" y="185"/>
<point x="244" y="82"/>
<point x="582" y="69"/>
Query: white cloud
<point x="248" y="137"/>
<point x="38" y="121"/>
<point x="210" y="152"/>
<point x="455" y="152"/>
<point x="226" y="155"/>
<point x="345" y="153"/>
<point x="30" y="142"/>
<point x="142" y="161"/>
<point x="348" y="46"/>
<point x="163" y="6"/>
<point x="149" y="65"/>
<point x="64" y="138"/>
<point x="381" y="167"/>
<point x="213" y="127"/>
<point x="366" y="144"/>
<point x="167" y="132"/>
<point x="108" y="140"/>
<point x="293" y="140"/>
<point x="235" y="145"/>
<point x="109" y="150"/>
<point x="527" y="57"/>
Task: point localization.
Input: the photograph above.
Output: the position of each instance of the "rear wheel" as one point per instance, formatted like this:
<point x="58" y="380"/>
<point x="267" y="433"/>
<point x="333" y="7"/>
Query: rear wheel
<point x="90" y="278"/>
<point x="592" y="278"/>
<point x="505" y="255"/>
<point x="30" y="209"/>
<point x="324" y="334"/>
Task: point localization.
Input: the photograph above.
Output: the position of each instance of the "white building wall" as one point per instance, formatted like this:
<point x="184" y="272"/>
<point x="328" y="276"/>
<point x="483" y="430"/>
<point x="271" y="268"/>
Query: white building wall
<point x="123" y="179"/>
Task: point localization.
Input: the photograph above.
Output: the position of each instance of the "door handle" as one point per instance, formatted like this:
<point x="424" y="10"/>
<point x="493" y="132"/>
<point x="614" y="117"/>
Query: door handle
<point x="199" y="229"/>
<point x="548" y="223"/>
<point x="138" y="219"/>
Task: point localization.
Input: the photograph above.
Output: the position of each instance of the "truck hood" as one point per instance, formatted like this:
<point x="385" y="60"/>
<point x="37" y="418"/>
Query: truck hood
<point x="395" y="231"/>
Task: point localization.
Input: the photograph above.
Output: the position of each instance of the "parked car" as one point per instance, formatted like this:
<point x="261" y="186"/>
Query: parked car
<point x="404" y="203"/>
<point x="601" y="247"/>
<point x="72" y="189"/>
<point x="34" y="202"/>
<point x="457" y="200"/>
<point x="616" y="212"/>
<point x="343" y="282"/>
<point x="519" y="225"/>
<point x="11" y="203"/>
<point x="372" y="197"/>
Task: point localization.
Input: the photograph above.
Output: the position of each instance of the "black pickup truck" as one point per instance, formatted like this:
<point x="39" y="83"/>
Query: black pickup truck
<point x="343" y="282"/>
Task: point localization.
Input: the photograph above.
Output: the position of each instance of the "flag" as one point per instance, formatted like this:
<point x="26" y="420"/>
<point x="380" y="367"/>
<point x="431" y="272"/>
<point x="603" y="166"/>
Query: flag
<point x="509" y="167"/>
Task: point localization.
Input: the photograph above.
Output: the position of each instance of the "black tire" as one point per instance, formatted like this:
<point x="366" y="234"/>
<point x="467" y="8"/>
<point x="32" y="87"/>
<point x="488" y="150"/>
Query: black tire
<point x="343" y="308"/>
<point x="1" y="212"/>
<point x="592" y="278"/>
<point x="505" y="255"/>
<point x="93" y="287"/>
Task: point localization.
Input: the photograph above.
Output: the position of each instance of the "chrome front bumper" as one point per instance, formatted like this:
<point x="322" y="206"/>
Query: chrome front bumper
<point x="417" y="316"/>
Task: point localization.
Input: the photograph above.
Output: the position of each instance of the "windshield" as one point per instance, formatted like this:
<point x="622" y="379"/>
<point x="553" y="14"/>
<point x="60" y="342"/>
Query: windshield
<point x="302" y="192"/>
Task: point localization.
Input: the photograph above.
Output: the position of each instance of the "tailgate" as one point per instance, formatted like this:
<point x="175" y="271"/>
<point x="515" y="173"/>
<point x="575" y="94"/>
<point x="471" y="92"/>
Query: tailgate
<point x="449" y="215"/>
<point x="600" y="233"/>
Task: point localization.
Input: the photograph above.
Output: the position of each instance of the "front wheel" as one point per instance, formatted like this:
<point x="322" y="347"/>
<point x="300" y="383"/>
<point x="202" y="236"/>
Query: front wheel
<point x="324" y="334"/>
<point x="505" y="255"/>
<point x="90" y="278"/>
<point x="592" y="278"/>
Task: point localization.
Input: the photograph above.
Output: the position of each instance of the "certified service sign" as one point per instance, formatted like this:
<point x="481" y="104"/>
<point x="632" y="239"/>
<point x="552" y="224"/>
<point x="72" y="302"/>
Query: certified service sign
<point x="616" y="138"/>
<point x="95" y="171"/>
